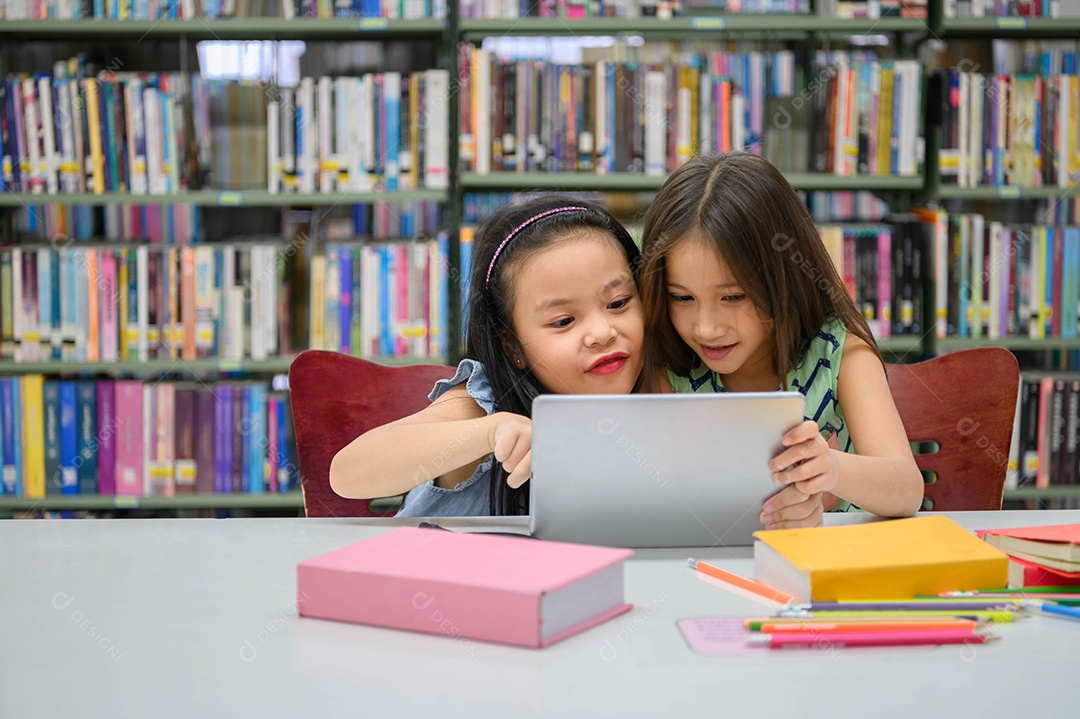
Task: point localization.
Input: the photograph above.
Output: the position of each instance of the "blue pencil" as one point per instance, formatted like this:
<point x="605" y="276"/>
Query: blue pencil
<point x="1055" y="609"/>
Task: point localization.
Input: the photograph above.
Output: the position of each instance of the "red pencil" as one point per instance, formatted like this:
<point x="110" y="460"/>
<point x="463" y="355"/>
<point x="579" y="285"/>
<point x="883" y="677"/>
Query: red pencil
<point x="797" y="640"/>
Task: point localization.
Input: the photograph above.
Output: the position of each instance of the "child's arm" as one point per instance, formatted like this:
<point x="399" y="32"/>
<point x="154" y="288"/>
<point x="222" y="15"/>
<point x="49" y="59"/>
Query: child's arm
<point x="883" y="477"/>
<point x="446" y="439"/>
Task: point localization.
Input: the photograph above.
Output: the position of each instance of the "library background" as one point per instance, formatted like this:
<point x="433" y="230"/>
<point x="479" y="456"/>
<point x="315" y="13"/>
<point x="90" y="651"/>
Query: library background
<point x="193" y="191"/>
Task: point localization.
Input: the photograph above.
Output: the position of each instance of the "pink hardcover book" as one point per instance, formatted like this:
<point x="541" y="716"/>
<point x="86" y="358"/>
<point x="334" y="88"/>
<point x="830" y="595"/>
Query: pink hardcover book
<point x="108" y="306"/>
<point x="129" y="437"/>
<point x="510" y="590"/>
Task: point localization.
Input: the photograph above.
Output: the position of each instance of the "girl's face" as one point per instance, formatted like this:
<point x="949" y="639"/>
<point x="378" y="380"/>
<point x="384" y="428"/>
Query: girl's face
<point x="714" y="316"/>
<point x="578" y="316"/>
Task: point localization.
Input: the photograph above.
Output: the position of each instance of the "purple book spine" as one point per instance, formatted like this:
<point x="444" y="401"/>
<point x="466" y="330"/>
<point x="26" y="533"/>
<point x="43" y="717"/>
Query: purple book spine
<point x="235" y="433"/>
<point x="205" y="446"/>
<point x="222" y="438"/>
<point x="108" y="428"/>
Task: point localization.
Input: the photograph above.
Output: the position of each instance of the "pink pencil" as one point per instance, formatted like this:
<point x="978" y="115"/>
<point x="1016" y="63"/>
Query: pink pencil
<point x="866" y="639"/>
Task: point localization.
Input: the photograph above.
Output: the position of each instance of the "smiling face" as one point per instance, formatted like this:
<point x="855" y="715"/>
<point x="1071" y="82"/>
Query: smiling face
<point x="712" y="314"/>
<point x="577" y="316"/>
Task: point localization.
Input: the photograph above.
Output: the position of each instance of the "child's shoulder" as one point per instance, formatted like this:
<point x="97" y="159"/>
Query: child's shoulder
<point x="470" y="380"/>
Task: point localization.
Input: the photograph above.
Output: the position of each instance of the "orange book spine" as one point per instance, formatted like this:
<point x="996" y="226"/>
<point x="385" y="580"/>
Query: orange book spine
<point x="187" y="269"/>
<point x="93" y="345"/>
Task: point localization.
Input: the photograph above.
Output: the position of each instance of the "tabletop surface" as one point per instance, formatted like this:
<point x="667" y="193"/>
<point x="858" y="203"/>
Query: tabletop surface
<point x="197" y="618"/>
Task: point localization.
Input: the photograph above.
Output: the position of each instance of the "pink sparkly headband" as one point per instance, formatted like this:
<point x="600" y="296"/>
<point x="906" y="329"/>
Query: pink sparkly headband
<point x="522" y="226"/>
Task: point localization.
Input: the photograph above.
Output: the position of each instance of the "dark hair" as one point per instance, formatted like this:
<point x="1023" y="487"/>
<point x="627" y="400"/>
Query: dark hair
<point x="745" y="208"/>
<point x="490" y="332"/>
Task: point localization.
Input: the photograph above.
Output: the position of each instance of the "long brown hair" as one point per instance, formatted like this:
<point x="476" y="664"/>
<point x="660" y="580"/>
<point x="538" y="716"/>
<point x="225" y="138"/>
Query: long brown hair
<point x="747" y="210"/>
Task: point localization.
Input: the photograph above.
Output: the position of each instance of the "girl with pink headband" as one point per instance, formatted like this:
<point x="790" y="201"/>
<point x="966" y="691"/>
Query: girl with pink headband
<point x="553" y="308"/>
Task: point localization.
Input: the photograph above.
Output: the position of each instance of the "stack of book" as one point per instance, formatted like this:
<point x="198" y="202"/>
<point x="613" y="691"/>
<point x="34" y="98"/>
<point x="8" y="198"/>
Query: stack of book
<point x="1040" y="556"/>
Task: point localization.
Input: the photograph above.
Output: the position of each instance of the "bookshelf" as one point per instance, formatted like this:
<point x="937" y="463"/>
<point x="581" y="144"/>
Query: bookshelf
<point x="374" y="29"/>
<point x="441" y="36"/>
<point x="228" y="216"/>
<point x="286" y="501"/>
<point x="634" y="182"/>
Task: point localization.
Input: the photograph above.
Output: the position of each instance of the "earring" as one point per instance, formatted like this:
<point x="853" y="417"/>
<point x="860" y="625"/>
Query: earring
<point x="519" y="362"/>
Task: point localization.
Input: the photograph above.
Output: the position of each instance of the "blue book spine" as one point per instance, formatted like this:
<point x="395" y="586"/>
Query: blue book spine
<point x="285" y="465"/>
<point x="54" y="304"/>
<point x="69" y="438"/>
<point x="7" y="436"/>
<point x="386" y="272"/>
<point x="466" y="280"/>
<point x="258" y="441"/>
<point x="245" y="427"/>
<point x="898" y="113"/>
<point x="54" y="482"/>
<point x="609" y="140"/>
<point x="86" y="463"/>
<point x="16" y="399"/>
<point x="346" y="298"/>
<point x="4" y="178"/>
<point x="392" y="123"/>
<point x="962" y="328"/>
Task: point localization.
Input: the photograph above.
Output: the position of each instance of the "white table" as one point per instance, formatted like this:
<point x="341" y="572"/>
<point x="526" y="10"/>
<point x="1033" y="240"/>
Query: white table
<point x="197" y="618"/>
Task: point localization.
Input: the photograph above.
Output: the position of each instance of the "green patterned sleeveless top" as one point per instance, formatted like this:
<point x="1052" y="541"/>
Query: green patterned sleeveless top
<point x="815" y="377"/>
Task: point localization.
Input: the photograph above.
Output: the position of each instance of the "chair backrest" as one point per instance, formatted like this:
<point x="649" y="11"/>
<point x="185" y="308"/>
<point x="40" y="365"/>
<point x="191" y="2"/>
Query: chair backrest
<point x="336" y="398"/>
<point x="965" y="403"/>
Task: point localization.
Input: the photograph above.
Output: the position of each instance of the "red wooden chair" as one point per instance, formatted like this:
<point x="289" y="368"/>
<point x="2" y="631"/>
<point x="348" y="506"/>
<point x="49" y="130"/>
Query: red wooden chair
<point x="964" y="402"/>
<point x="336" y="398"/>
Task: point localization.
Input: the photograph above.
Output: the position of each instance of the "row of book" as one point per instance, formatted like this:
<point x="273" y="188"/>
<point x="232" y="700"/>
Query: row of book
<point x="1047" y="429"/>
<point x="179" y="224"/>
<point x="872" y="9"/>
<point x="648" y="113"/>
<point x="213" y="9"/>
<point x="382" y="299"/>
<point x="356" y="134"/>
<point x="824" y="205"/>
<point x="880" y="265"/>
<point x="579" y="9"/>
<point x="90" y="303"/>
<point x="163" y="133"/>
<point x="1010" y="8"/>
<point x="132" y="438"/>
<point x="999" y="280"/>
<point x="1001" y="129"/>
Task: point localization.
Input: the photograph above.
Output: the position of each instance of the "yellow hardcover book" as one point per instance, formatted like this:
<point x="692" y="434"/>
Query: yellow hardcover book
<point x="895" y="559"/>
<point x="33" y="403"/>
<point x="885" y="113"/>
<point x="93" y="119"/>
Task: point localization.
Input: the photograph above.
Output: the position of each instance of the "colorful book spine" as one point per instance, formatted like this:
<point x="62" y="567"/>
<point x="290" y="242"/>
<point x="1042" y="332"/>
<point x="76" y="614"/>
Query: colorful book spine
<point x="51" y="408"/>
<point x="109" y="429"/>
<point x="32" y="401"/>
<point x="89" y="440"/>
<point x="69" y="438"/>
